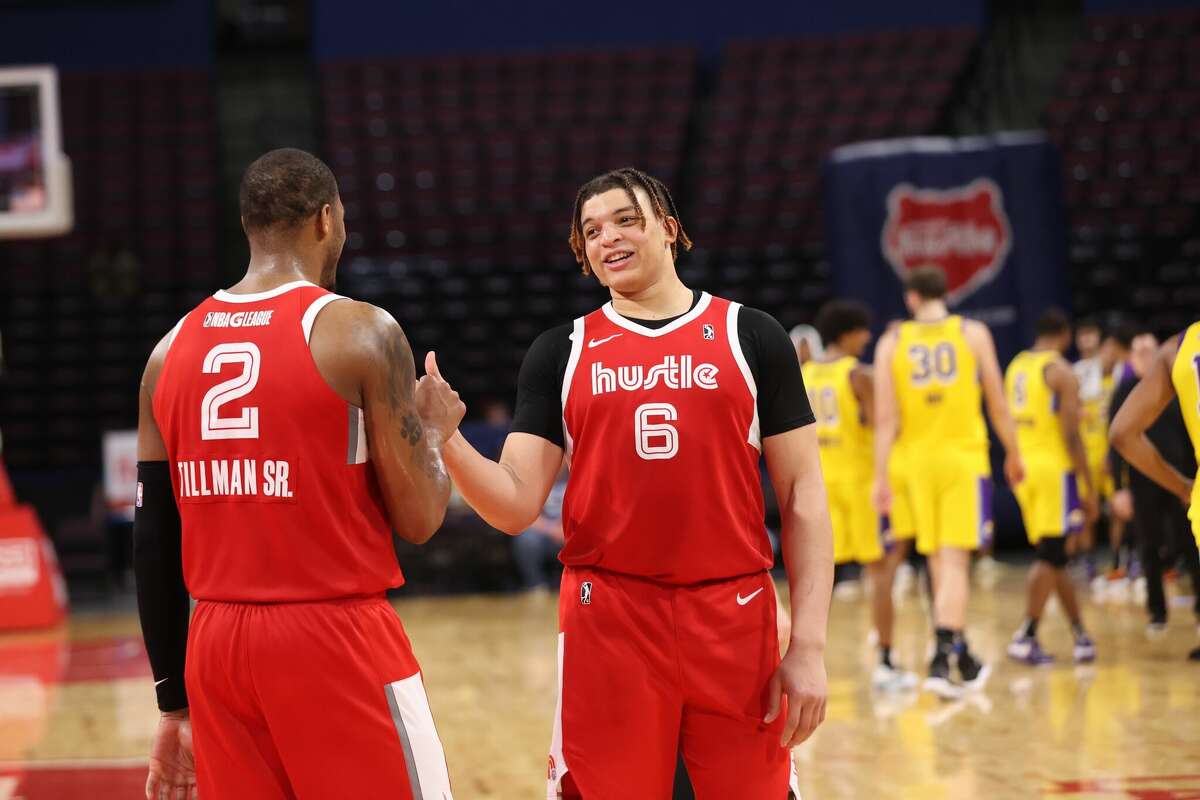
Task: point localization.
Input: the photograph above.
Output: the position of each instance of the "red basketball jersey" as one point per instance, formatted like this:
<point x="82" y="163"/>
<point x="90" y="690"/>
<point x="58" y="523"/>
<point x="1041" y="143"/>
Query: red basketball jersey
<point x="278" y="499"/>
<point x="661" y="428"/>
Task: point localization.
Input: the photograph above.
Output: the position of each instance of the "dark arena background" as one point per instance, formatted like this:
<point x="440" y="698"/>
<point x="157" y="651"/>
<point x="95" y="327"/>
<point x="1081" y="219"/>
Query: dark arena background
<point x="1042" y="154"/>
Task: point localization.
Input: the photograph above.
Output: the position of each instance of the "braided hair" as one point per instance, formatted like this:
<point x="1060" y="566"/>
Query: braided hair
<point x="627" y="179"/>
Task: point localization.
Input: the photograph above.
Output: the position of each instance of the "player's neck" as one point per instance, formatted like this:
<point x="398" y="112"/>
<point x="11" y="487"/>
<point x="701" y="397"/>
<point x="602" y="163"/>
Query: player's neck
<point x="665" y="298"/>
<point x="931" y="311"/>
<point x="267" y="271"/>
<point x="833" y="353"/>
<point x="1041" y="346"/>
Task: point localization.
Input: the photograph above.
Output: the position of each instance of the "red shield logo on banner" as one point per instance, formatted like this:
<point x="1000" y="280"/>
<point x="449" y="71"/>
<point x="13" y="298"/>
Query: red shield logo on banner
<point x="963" y="230"/>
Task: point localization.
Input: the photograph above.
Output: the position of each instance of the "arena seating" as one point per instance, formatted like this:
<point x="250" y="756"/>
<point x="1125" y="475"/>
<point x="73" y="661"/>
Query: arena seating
<point x="753" y="202"/>
<point x="1127" y="119"/>
<point x="82" y="312"/>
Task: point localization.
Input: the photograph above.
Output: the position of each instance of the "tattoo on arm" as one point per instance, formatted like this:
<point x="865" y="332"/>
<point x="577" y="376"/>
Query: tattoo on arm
<point x="410" y="428"/>
<point x="401" y="372"/>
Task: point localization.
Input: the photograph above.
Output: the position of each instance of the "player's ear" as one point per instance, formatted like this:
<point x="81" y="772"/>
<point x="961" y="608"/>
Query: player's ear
<point x="325" y="221"/>
<point x="670" y="230"/>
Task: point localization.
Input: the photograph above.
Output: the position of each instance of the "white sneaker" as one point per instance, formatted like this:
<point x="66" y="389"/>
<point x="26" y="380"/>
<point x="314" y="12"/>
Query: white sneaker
<point x="890" y="679"/>
<point x="1156" y="630"/>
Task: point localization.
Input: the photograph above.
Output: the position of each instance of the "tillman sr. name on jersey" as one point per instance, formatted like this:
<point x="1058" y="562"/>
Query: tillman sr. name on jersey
<point x="673" y="373"/>
<point x="234" y="477"/>
<point x="238" y="319"/>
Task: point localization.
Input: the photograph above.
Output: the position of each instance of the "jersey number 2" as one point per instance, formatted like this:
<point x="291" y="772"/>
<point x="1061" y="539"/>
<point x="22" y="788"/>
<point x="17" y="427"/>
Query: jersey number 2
<point x="245" y="425"/>
<point x="655" y="440"/>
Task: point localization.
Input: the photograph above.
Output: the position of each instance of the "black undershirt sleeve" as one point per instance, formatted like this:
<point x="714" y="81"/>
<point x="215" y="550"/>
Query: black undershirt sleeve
<point x="782" y="399"/>
<point x="539" y="386"/>
<point x="163" y="602"/>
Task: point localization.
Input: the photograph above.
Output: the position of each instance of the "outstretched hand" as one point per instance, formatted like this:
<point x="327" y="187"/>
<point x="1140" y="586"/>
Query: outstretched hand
<point x="172" y="765"/>
<point x="438" y="404"/>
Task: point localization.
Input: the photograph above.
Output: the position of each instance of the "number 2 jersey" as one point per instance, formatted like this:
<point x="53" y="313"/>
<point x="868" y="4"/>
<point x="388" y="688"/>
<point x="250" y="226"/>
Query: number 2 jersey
<point x="278" y="499"/>
<point x="662" y="430"/>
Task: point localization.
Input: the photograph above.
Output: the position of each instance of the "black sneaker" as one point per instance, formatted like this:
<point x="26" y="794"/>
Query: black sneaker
<point x="1194" y="655"/>
<point x="939" y="681"/>
<point x="973" y="671"/>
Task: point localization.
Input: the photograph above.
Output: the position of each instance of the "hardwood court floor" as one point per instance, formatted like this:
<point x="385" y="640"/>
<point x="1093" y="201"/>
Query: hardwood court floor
<point x="77" y="709"/>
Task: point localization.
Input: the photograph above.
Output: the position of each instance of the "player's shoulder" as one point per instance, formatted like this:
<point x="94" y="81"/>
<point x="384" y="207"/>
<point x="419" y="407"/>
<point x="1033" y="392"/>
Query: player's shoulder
<point x="762" y="324"/>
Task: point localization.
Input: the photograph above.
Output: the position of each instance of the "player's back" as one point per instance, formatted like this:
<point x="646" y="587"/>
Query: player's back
<point x="1034" y="407"/>
<point x="269" y="464"/>
<point x="842" y="432"/>
<point x="937" y="387"/>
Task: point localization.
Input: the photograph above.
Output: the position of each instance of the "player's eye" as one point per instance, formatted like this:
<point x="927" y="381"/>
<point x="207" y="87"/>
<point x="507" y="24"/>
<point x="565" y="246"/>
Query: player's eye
<point x="627" y="219"/>
<point x="591" y="233"/>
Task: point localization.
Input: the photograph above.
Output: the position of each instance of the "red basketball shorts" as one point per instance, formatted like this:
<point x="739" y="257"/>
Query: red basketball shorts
<point x="648" y="670"/>
<point x="309" y="700"/>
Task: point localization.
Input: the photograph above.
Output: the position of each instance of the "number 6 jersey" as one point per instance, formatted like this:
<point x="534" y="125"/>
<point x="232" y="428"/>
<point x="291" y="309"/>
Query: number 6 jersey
<point x="278" y="499"/>
<point x="662" y="431"/>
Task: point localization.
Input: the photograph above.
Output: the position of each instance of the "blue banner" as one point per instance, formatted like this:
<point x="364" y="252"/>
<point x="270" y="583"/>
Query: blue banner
<point x="987" y="210"/>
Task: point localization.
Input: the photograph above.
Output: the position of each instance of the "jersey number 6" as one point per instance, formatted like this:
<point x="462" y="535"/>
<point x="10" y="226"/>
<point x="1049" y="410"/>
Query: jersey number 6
<point x="245" y="425"/>
<point x="653" y="440"/>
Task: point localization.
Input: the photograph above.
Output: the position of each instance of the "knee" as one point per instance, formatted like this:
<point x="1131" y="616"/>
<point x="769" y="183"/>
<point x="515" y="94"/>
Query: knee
<point x="1052" y="551"/>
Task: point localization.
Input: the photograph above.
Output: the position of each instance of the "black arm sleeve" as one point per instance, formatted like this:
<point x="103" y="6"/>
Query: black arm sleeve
<point x="163" y="603"/>
<point x="782" y="399"/>
<point x="539" y="386"/>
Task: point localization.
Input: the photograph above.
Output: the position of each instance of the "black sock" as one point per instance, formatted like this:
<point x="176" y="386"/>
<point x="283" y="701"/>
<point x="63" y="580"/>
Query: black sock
<point x="1077" y="629"/>
<point x="885" y="656"/>
<point x="945" y="640"/>
<point x="1030" y="629"/>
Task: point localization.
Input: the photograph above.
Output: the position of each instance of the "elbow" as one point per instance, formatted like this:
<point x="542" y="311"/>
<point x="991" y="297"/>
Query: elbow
<point x="1119" y="434"/>
<point x="517" y="524"/>
<point x="419" y="531"/>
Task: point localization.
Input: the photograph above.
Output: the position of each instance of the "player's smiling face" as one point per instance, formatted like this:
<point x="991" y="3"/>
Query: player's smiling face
<point x="626" y="245"/>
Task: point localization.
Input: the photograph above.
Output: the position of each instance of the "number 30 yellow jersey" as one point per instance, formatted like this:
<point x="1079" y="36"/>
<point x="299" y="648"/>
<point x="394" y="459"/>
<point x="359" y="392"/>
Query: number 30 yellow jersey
<point x="937" y="391"/>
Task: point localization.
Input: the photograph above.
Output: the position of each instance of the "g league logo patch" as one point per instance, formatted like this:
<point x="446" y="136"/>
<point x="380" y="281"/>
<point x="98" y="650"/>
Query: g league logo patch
<point x="709" y="332"/>
<point x="585" y="593"/>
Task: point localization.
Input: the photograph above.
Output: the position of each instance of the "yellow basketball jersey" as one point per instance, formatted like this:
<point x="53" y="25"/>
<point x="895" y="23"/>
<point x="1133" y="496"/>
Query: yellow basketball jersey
<point x="1095" y="390"/>
<point x="937" y="389"/>
<point x="1185" y="375"/>
<point x="1035" y="409"/>
<point x="842" y="432"/>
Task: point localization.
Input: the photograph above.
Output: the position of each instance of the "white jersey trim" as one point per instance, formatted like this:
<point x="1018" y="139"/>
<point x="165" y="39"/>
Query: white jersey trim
<point x="229" y="297"/>
<point x="569" y="376"/>
<point x="558" y="759"/>
<point x="310" y="314"/>
<point x="633" y="327"/>
<point x="754" y="435"/>
<point x="175" y="331"/>
<point x="424" y="758"/>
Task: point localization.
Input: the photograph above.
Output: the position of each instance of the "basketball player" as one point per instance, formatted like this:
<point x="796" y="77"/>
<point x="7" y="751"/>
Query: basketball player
<point x="840" y="390"/>
<point x="1114" y="356"/>
<point x="282" y="436"/>
<point x="1044" y="396"/>
<point x="1093" y="371"/>
<point x="928" y="377"/>
<point x="1173" y="373"/>
<point x="663" y="401"/>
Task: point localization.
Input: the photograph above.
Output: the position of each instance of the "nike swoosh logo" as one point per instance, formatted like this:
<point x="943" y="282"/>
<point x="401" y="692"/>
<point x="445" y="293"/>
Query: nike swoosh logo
<point x="158" y="683"/>
<point x="743" y="600"/>
<point x="598" y="342"/>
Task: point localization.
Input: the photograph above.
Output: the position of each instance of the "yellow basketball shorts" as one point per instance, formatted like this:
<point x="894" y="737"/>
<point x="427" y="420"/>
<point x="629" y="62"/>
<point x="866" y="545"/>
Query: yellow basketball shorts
<point x="951" y="502"/>
<point x="1049" y="501"/>
<point x="856" y="530"/>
